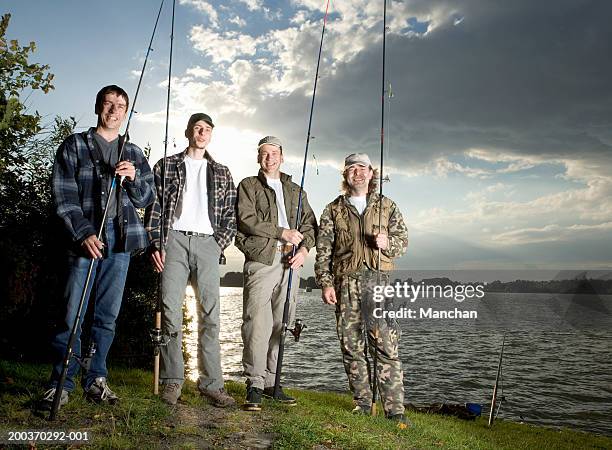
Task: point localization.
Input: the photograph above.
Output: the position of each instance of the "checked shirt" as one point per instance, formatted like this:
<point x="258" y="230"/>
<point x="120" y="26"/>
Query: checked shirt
<point x="221" y="200"/>
<point x="80" y="194"/>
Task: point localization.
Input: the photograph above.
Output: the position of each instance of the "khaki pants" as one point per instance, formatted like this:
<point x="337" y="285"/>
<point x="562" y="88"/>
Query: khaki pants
<point x="264" y="294"/>
<point x="192" y="258"/>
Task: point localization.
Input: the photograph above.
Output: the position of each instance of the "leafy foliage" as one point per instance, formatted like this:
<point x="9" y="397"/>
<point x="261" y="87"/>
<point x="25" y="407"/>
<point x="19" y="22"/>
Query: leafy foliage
<point x="32" y="245"/>
<point x="15" y="72"/>
<point x="28" y="237"/>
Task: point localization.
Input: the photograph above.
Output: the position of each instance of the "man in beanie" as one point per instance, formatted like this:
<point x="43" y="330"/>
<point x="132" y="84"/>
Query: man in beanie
<point x="199" y="224"/>
<point x="346" y="268"/>
<point x="267" y="234"/>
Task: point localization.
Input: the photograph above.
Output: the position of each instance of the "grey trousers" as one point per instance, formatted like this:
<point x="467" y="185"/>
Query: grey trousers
<point x="264" y="294"/>
<point x="192" y="258"/>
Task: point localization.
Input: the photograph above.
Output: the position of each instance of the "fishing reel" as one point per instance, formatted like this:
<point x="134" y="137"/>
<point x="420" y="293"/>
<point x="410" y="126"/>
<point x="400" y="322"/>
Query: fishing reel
<point x="160" y="340"/>
<point x="85" y="362"/>
<point x="297" y="329"/>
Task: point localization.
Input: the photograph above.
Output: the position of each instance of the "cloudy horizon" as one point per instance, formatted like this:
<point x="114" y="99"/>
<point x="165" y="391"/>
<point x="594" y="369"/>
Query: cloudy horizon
<point x="498" y="130"/>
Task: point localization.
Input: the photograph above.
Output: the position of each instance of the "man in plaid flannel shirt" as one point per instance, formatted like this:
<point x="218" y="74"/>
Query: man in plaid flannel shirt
<point x="84" y="167"/>
<point x="199" y="224"/>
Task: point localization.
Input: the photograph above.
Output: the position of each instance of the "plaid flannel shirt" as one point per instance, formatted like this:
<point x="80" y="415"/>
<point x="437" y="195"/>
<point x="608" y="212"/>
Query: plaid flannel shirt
<point x="221" y="200"/>
<point x="80" y="180"/>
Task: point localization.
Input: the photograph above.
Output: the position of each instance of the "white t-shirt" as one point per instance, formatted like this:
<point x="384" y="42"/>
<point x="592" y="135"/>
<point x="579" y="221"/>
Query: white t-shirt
<point x="191" y="213"/>
<point x="359" y="203"/>
<point x="276" y="184"/>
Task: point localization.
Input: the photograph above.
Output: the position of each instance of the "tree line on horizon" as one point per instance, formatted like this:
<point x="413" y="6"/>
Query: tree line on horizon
<point x="569" y="286"/>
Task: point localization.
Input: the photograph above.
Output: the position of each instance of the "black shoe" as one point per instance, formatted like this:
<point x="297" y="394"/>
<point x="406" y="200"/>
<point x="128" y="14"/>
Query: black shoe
<point x="281" y="397"/>
<point x="253" y="399"/>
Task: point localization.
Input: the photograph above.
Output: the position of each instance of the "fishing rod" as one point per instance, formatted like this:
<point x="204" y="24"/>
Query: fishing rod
<point x="298" y="323"/>
<point x="156" y="333"/>
<point x="380" y="200"/>
<point x="69" y="348"/>
<point x="494" y="399"/>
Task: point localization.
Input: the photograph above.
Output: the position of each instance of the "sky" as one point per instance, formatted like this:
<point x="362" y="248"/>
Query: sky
<point x="498" y="114"/>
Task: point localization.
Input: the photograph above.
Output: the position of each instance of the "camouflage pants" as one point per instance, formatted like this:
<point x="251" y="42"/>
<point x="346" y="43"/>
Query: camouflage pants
<point x="354" y="318"/>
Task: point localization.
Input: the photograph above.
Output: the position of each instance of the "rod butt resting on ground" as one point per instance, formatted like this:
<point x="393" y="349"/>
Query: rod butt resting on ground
<point x="156" y="357"/>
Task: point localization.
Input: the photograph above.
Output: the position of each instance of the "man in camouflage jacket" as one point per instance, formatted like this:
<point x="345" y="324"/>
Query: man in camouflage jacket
<point x="346" y="269"/>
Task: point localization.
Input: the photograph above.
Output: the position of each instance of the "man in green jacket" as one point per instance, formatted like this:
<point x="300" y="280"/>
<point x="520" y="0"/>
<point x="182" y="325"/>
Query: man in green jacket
<point x="346" y="268"/>
<point x="267" y="216"/>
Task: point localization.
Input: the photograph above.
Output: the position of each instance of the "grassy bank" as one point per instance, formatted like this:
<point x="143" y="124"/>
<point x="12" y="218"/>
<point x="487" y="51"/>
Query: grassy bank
<point x="321" y="420"/>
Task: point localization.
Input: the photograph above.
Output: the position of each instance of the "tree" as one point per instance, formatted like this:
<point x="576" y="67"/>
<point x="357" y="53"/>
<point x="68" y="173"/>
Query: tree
<point x="31" y="249"/>
<point x="27" y="238"/>
<point x="20" y="148"/>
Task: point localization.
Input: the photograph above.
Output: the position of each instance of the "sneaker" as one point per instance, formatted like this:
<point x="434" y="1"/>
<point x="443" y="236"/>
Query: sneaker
<point x="281" y="397"/>
<point x="99" y="392"/>
<point x="171" y="394"/>
<point x="361" y="410"/>
<point x="218" y="397"/>
<point x="402" y="421"/>
<point x="47" y="401"/>
<point x="253" y="399"/>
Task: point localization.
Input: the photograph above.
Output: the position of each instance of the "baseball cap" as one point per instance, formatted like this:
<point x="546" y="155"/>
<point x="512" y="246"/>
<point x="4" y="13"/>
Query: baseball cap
<point x="361" y="159"/>
<point x="197" y="117"/>
<point x="270" y="140"/>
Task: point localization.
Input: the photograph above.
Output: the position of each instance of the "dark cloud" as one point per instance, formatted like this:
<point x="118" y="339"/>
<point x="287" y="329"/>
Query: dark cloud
<point x="523" y="76"/>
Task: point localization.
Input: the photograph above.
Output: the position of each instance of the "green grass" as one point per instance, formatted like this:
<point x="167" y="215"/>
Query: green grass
<point x="325" y="419"/>
<point x="140" y="415"/>
<point x="321" y="420"/>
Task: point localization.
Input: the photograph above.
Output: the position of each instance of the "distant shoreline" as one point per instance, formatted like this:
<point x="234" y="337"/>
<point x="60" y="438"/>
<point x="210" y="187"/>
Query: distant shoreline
<point x="570" y="286"/>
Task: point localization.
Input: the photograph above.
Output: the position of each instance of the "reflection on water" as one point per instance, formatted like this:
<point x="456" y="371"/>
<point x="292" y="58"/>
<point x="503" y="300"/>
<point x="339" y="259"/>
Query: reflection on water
<point x="557" y="377"/>
<point x="229" y="336"/>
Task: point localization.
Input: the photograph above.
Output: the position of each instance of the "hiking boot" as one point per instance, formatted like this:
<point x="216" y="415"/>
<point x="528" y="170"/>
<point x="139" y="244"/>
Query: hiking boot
<point x="253" y="399"/>
<point x="282" y="397"/>
<point x="401" y="420"/>
<point x="171" y="394"/>
<point x="47" y="401"/>
<point x="361" y="410"/>
<point x="218" y="397"/>
<point x="99" y="392"/>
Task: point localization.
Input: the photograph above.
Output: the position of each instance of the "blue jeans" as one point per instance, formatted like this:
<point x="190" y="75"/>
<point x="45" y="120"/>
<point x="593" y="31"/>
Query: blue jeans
<point x="108" y="280"/>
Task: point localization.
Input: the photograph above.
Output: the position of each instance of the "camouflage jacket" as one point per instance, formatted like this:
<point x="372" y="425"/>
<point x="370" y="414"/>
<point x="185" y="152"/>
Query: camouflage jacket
<point x="345" y="243"/>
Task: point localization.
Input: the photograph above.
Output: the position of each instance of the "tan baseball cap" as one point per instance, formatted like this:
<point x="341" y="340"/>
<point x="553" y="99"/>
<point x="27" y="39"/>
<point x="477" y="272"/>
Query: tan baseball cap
<point x="270" y="140"/>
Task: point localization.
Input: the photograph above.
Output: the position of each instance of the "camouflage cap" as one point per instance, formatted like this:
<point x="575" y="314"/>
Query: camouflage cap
<point x="361" y="159"/>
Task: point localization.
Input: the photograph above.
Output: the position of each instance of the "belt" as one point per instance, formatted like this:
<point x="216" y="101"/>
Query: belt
<point x="285" y="248"/>
<point x="192" y="233"/>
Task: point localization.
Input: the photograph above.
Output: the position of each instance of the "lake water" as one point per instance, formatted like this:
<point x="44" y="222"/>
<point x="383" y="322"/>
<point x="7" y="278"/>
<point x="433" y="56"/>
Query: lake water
<point x="557" y="366"/>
